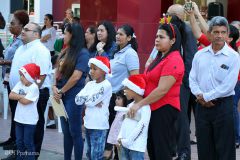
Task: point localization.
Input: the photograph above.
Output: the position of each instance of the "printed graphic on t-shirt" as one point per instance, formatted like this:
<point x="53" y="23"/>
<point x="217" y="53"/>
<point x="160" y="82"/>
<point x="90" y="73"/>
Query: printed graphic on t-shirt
<point x="22" y="92"/>
<point x="91" y="98"/>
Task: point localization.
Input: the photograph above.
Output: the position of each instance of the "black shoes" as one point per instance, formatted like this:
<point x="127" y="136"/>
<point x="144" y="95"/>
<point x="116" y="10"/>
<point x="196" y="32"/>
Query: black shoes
<point x="10" y="157"/>
<point x="53" y="126"/>
<point x="183" y="156"/>
<point x="11" y="146"/>
<point x="237" y="145"/>
<point x="9" y="141"/>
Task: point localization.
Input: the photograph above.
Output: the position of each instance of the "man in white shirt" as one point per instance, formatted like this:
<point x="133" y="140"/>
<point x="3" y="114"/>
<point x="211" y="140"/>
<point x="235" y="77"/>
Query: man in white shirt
<point x="212" y="80"/>
<point x="33" y="51"/>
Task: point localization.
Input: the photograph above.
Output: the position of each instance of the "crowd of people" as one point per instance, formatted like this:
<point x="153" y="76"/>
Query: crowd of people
<point x="96" y="74"/>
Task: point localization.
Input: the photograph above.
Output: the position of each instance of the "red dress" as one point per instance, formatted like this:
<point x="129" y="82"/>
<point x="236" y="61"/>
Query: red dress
<point x="172" y="65"/>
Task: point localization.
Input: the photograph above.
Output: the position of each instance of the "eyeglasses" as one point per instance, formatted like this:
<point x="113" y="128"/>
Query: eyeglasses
<point x="27" y="30"/>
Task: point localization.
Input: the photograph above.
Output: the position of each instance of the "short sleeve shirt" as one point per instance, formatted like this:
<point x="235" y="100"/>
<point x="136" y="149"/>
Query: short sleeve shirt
<point x="123" y="62"/>
<point x="81" y="65"/>
<point x="50" y="42"/>
<point x="172" y="65"/>
<point x="27" y="114"/>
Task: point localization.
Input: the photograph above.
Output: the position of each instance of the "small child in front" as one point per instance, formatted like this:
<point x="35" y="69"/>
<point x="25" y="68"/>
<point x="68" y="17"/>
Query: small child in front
<point x="96" y="96"/>
<point x="134" y="131"/>
<point x="26" y="92"/>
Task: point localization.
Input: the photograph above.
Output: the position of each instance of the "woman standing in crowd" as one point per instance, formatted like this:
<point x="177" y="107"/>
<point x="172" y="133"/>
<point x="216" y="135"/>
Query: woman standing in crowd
<point x="91" y="40"/>
<point x="48" y="36"/>
<point x="106" y="44"/>
<point x="69" y="80"/>
<point x="163" y="79"/>
<point x="124" y="63"/>
<point x="19" y="20"/>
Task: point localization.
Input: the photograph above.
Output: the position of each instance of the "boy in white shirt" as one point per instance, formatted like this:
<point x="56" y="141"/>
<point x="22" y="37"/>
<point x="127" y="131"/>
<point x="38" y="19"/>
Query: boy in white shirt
<point x="96" y="95"/>
<point x="134" y="131"/>
<point x="26" y="92"/>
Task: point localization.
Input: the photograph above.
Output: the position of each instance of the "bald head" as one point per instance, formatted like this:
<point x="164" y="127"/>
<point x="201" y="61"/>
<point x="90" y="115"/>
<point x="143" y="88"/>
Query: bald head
<point x="178" y="10"/>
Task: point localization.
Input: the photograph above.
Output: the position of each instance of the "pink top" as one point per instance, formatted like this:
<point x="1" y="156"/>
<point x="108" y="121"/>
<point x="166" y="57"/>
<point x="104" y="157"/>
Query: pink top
<point x="115" y="128"/>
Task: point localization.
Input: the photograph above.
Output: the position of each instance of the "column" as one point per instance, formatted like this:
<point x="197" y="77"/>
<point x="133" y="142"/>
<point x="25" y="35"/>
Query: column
<point x="41" y="7"/>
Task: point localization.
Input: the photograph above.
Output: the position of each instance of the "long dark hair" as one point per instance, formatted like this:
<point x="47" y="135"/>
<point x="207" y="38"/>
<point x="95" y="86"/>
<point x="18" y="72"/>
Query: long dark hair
<point x="129" y="31"/>
<point x="234" y="34"/>
<point x="175" y="47"/>
<point x="76" y="43"/>
<point x="93" y="30"/>
<point x="111" y="34"/>
<point x="50" y="17"/>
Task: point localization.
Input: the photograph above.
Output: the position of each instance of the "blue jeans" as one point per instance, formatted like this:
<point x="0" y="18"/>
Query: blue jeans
<point x="72" y="129"/>
<point x="235" y="111"/>
<point x="25" y="141"/>
<point x="95" y="143"/>
<point x="128" y="154"/>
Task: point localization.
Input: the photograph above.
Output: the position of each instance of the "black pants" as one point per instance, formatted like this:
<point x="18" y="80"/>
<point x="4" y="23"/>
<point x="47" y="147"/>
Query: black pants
<point x="183" y="134"/>
<point x="215" y="131"/>
<point x="13" y="106"/>
<point x="41" y="107"/>
<point x="161" y="133"/>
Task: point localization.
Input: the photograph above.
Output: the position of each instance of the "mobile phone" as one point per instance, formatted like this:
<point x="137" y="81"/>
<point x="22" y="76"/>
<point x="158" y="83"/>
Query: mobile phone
<point x="188" y="6"/>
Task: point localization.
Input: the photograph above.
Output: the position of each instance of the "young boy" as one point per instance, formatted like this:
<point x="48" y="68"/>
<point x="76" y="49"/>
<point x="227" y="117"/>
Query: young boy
<point x="96" y="96"/>
<point x="26" y="92"/>
<point x="133" y="133"/>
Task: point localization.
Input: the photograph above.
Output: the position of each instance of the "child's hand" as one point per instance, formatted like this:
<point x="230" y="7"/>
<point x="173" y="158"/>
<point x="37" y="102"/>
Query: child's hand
<point x="99" y="105"/>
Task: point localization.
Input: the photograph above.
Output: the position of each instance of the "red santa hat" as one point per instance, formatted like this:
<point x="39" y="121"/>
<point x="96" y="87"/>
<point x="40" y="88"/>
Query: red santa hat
<point x="136" y="83"/>
<point x="31" y="72"/>
<point x="101" y="62"/>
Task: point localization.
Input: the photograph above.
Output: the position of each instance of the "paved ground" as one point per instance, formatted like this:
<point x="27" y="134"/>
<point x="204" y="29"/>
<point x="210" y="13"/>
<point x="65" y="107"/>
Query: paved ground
<point x="52" y="148"/>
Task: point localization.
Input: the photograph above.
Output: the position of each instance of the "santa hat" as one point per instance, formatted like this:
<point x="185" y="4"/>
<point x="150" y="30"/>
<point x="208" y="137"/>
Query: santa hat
<point x="31" y="72"/>
<point x="136" y="83"/>
<point x="101" y="62"/>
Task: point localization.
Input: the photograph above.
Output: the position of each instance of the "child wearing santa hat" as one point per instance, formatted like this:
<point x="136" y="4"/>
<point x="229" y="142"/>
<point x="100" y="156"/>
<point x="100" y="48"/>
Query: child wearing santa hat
<point x="26" y="92"/>
<point x="134" y="131"/>
<point x="96" y="96"/>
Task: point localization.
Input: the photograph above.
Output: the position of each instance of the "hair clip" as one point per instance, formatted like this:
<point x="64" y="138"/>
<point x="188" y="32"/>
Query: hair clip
<point x="165" y="19"/>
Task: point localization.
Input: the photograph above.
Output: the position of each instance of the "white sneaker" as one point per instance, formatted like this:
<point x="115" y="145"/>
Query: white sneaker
<point x="51" y="122"/>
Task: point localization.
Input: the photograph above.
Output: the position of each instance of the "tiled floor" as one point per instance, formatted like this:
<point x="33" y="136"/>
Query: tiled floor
<point x="53" y="142"/>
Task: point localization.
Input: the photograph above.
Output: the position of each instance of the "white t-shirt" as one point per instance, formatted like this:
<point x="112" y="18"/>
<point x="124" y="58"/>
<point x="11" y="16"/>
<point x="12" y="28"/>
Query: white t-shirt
<point x="32" y="52"/>
<point x="134" y="133"/>
<point x="27" y="114"/>
<point x="92" y="94"/>
<point x="50" y="42"/>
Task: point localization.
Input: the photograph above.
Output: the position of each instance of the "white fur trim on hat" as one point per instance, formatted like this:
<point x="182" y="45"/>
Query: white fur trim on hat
<point x="99" y="64"/>
<point x="26" y="75"/>
<point x="133" y="86"/>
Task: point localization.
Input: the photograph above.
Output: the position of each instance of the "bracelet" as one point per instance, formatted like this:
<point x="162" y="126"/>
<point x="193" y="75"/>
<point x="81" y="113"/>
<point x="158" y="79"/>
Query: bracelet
<point x="60" y="91"/>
